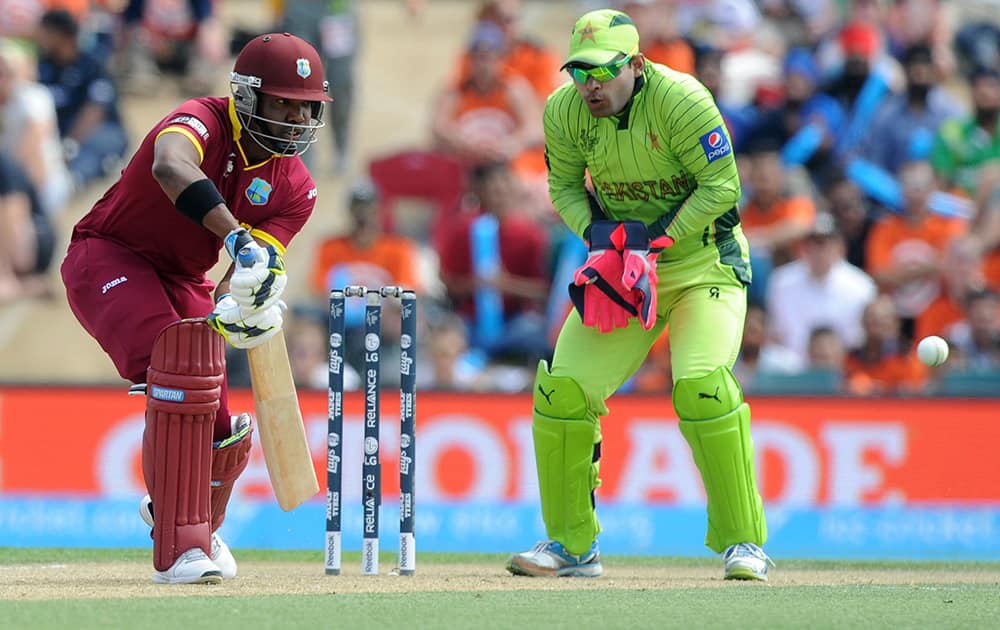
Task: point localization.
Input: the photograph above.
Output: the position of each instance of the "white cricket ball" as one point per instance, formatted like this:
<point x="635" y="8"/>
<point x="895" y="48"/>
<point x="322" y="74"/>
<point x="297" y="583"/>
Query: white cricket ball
<point x="932" y="351"/>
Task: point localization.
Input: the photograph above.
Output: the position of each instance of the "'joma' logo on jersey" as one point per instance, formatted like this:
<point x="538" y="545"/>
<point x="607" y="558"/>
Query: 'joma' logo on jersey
<point x="654" y="189"/>
<point x="113" y="283"/>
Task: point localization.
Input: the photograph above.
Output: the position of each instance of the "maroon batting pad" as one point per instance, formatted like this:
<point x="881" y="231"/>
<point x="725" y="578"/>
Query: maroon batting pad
<point x="228" y="463"/>
<point x="184" y="381"/>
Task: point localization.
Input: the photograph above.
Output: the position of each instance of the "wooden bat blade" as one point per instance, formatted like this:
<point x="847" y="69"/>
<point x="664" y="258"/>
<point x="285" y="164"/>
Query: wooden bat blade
<point x="279" y="420"/>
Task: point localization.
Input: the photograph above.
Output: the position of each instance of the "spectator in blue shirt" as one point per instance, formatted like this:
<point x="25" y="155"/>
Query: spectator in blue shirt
<point x="93" y="136"/>
<point x="905" y="125"/>
<point x="807" y="121"/>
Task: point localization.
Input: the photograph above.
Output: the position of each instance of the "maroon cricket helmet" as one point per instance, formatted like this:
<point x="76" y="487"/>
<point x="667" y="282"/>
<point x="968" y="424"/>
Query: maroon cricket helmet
<point x="285" y="66"/>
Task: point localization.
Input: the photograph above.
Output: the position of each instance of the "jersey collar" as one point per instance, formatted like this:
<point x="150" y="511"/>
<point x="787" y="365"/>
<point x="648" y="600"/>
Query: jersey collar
<point x="234" y="120"/>
<point x="623" y="117"/>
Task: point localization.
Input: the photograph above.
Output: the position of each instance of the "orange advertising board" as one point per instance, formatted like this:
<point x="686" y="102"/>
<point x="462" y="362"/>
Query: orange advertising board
<point x="810" y="451"/>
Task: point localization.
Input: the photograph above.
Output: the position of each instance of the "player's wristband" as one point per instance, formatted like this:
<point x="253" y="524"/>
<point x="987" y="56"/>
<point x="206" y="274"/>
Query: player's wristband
<point x="198" y="199"/>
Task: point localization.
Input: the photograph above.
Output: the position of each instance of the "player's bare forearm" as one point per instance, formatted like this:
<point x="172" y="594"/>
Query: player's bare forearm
<point x="220" y="221"/>
<point x="222" y="287"/>
<point x="176" y="165"/>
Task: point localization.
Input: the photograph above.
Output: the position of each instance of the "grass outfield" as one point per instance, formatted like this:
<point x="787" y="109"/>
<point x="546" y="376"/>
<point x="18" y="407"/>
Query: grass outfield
<point x="101" y="588"/>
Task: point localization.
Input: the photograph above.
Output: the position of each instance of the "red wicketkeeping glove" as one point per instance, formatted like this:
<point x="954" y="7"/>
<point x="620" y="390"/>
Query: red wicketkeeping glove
<point x="597" y="290"/>
<point x="639" y="274"/>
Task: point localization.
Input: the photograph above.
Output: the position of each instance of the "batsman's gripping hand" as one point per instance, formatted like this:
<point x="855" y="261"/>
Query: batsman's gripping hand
<point x="259" y="278"/>
<point x="639" y="275"/>
<point x="597" y="291"/>
<point x="245" y="329"/>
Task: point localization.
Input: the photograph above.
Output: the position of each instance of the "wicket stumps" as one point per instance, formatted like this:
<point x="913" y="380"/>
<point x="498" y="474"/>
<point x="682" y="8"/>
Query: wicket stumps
<point x="371" y="473"/>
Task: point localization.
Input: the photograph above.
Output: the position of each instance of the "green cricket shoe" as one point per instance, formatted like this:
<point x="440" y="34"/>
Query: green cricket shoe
<point x="746" y="561"/>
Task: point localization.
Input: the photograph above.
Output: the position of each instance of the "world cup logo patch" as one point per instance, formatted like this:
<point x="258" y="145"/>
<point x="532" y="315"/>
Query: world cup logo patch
<point x="302" y="68"/>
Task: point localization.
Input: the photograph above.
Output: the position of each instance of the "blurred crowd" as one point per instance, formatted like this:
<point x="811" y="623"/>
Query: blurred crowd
<point x="867" y="134"/>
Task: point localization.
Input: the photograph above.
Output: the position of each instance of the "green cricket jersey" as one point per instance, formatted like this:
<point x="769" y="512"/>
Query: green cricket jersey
<point x="960" y="150"/>
<point x="666" y="158"/>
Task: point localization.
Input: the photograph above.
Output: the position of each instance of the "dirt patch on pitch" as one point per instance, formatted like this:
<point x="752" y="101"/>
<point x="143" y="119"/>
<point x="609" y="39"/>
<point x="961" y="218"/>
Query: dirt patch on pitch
<point x="128" y="580"/>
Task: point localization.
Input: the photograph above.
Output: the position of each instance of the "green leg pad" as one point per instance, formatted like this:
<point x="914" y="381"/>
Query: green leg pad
<point x="723" y="452"/>
<point x="716" y="424"/>
<point x="567" y="436"/>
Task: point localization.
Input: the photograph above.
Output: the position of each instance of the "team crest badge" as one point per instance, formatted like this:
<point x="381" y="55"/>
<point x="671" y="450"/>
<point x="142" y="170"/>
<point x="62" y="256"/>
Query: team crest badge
<point x="302" y="68"/>
<point x="258" y="191"/>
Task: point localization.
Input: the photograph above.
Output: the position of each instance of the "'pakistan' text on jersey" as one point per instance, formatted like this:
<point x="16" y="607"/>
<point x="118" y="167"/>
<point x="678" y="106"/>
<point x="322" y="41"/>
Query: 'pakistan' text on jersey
<point x="667" y="157"/>
<point x="273" y="198"/>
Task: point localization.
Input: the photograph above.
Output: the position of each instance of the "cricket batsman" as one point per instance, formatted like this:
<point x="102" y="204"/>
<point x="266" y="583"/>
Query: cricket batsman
<point x="666" y="247"/>
<point x="217" y="174"/>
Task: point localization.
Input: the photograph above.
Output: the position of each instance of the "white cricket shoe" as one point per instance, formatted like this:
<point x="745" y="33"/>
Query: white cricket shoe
<point x="550" y="559"/>
<point x="191" y="567"/>
<point x="746" y="561"/>
<point x="221" y="555"/>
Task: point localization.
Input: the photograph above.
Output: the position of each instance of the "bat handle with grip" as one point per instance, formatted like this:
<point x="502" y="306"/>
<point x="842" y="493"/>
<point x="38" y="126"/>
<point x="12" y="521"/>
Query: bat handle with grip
<point x="237" y="242"/>
<point x="246" y="257"/>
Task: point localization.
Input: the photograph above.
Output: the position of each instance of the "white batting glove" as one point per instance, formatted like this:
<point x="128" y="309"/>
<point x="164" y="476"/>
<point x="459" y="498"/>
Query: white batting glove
<point x="259" y="279"/>
<point x="244" y="328"/>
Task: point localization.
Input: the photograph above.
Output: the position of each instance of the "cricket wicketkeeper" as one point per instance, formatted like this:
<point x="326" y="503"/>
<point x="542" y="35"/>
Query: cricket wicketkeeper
<point x="666" y="247"/>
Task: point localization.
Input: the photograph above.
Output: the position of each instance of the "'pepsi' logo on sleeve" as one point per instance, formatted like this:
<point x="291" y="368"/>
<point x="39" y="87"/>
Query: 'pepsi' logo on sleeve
<point x="715" y="144"/>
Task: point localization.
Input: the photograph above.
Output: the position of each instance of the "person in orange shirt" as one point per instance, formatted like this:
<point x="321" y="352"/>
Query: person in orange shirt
<point x="961" y="276"/>
<point x="656" y="21"/>
<point x="369" y="257"/>
<point x="366" y="255"/>
<point x="885" y="362"/>
<point x="487" y="116"/>
<point x="774" y="218"/>
<point x="904" y="252"/>
<point x="525" y="56"/>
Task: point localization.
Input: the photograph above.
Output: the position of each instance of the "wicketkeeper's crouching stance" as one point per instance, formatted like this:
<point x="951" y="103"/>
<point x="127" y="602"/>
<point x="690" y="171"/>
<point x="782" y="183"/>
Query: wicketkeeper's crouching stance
<point x="215" y="174"/>
<point x="666" y="246"/>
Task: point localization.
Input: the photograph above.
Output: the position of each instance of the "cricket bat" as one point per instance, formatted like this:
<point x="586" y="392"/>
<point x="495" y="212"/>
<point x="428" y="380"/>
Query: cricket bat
<point x="279" y="421"/>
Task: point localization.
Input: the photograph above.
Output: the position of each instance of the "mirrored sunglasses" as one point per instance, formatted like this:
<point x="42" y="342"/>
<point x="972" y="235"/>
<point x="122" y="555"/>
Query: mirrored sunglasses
<point x="601" y="74"/>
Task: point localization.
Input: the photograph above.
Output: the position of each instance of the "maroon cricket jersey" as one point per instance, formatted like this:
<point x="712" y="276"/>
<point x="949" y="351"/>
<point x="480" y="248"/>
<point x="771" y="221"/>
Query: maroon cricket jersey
<point x="273" y="198"/>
